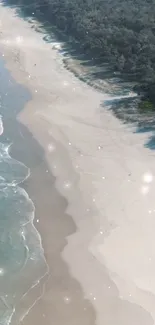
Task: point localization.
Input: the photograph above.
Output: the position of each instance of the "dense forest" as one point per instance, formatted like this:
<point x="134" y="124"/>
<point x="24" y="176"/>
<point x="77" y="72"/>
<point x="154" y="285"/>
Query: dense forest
<point x="121" y="32"/>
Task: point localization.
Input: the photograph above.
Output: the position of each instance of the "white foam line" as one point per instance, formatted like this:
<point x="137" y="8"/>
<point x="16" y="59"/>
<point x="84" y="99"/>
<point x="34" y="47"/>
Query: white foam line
<point x="42" y="249"/>
<point x="27" y="252"/>
<point x="43" y="291"/>
<point x="37" y="234"/>
<point x="1" y="126"/>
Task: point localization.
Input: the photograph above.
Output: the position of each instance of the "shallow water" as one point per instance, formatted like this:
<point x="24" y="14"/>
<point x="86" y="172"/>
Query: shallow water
<point x="22" y="262"/>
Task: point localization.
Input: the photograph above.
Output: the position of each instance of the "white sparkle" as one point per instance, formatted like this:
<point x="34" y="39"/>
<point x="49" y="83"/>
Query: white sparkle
<point x="145" y="190"/>
<point x="29" y="76"/>
<point x="67" y="185"/>
<point x="94" y="298"/>
<point x="1" y="271"/>
<point x="65" y="83"/>
<point x="19" y="39"/>
<point x="38" y="281"/>
<point x="51" y="147"/>
<point x="57" y="46"/>
<point x="94" y="200"/>
<point x="67" y="300"/>
<point x="130" y="295"/>
<point x="76" y="166"/>
<point x="148" y="178"/>
<point x="150" y="211"/>
<point x="101" y="232"/>
<point x="109" y="287"/>
<point x="36" y="91"/>
<point x="99" y="147"/>
<point x="69" y="143"/>
<point x="37" y="220"/>
<point x="46" y="171"/>
<point x="2" y="54"/>
<point x="103" y="177"/>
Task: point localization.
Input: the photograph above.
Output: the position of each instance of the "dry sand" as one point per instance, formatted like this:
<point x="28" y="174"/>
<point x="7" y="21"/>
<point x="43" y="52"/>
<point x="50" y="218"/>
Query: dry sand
<point x="106" y="175"/>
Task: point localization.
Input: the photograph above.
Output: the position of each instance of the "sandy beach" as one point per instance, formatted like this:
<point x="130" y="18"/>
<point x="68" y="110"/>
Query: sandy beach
<point x="93" y="188"/>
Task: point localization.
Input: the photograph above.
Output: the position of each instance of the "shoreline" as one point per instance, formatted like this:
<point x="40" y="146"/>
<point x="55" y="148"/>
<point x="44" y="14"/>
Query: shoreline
<point x="89" y="154"/>
<point x="57" y="268"/>
<point x="69" y="292"/>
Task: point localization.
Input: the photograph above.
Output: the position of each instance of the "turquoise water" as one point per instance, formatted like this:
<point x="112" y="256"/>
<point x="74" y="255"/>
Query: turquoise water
<point x="22" y="263"/>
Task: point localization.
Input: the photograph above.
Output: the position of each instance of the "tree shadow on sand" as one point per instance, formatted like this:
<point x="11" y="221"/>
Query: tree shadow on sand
<point x="91" y="71"/>
<point x="127" y="110"/>
<point x="91" y="68"/>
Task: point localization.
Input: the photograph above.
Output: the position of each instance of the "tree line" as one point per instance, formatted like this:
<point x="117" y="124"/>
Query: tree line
<point x="120" y="32"/>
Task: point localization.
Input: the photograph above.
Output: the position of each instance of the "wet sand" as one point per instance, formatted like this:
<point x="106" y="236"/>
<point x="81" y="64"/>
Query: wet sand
<point x="96" y="196"/>
<point x="64" y="301"/>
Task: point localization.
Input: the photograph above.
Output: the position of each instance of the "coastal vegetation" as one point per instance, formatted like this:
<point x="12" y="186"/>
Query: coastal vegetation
<point x="120" y="32"/>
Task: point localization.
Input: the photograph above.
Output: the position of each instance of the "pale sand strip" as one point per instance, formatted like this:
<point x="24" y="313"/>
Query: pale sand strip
<point x="101" y="171"/>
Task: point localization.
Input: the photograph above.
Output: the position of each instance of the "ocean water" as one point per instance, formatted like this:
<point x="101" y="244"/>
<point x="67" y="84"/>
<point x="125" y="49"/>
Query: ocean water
<point x="22" y="262"/>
